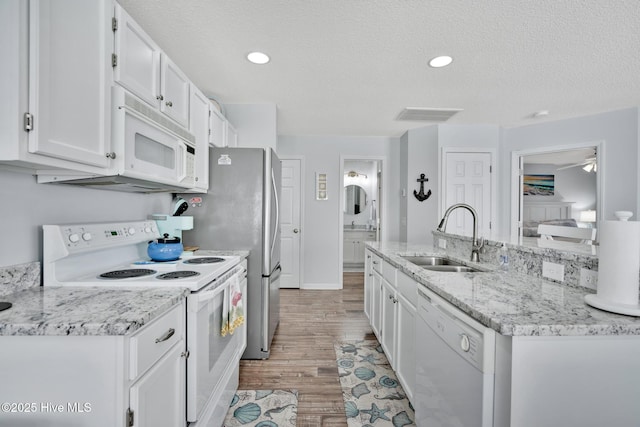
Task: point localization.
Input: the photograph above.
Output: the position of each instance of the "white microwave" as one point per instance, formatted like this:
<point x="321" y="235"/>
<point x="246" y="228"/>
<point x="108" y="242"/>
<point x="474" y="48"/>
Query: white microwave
<point x="154" y="148"/>
<point x="149" y="152"/>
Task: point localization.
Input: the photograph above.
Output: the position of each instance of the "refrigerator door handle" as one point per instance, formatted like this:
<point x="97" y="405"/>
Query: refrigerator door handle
<point x="275" y="195"/>
<point x="266" y="291"/>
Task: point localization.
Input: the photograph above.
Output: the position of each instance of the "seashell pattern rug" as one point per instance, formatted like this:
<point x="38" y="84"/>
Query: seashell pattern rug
<point x="372" y="394"/>
<point x="263" y="408"/>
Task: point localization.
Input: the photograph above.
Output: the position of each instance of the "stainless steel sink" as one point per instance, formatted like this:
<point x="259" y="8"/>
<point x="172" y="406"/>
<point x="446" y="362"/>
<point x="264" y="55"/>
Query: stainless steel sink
<point x="431" y="260"/>
<point x="450" y="268"/>
<point x="436" y="263"/>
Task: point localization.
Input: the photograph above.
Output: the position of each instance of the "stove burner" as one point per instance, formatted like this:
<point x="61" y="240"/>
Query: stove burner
<point x="128" y="273"/>
<point x="204" y="260"/>
<point x="177" y="275"/>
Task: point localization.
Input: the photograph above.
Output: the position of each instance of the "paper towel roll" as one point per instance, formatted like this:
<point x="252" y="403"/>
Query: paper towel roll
<point x="619" y="261"/>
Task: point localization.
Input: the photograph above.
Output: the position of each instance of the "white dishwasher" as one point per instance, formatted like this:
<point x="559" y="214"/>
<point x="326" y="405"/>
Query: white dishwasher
<point x="455" y="358"/>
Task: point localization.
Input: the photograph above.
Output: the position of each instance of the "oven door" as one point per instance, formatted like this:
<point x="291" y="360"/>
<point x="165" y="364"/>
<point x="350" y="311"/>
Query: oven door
<point x="210" y="353"/>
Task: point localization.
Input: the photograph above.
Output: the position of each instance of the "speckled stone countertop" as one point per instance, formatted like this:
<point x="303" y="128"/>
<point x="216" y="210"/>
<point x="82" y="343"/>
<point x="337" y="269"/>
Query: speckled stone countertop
<point x="85" y="310"/>
<point x="82" y="310"/>
<point x="510" y="303"/>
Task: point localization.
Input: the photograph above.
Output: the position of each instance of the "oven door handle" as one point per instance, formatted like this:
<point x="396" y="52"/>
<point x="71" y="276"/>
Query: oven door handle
<point x="194" y="300"/>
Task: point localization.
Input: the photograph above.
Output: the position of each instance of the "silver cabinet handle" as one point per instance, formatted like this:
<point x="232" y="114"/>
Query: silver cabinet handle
<point x="166" y="335"/>
<point x="295" y="230"/>
<point x="159" y="97"/>
<point x="111" y="155"/>
<point x="169" y="104"/>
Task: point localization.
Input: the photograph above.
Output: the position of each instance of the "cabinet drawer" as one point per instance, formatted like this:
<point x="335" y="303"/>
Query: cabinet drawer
<point x="389" y="273"/>
<point x="376" y="262"/>
<point x="407" y="287"/>
<point x="150" y="343"/>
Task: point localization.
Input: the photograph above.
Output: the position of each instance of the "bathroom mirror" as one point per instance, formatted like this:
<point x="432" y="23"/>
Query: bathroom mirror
<point x="355" y="199"/>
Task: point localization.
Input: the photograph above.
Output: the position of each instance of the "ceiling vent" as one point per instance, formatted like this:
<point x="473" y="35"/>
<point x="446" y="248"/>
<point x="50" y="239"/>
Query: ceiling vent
<point x="427" y="114"/>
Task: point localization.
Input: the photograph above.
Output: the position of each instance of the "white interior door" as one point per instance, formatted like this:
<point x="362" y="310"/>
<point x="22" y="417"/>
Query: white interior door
<point x="290" y="221"/>
<point x="468" y="180"/>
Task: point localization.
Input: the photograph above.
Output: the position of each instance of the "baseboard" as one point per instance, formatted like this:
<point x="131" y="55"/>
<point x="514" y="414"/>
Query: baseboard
<point x="321" y="286"/>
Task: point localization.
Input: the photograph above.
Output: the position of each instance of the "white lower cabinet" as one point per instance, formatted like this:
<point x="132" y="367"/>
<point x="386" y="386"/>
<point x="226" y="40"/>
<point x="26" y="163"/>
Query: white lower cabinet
<point x="157" y="399"/>
<point x="405" y="345"/>
<point x="389" y="304"/>
<point x="354" y="246"/>
<point x="97" y="381"/>
<point x="389" y="324"/>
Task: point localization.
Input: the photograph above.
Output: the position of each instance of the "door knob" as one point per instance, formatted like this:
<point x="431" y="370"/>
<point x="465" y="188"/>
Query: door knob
<point x="295" y="230"/>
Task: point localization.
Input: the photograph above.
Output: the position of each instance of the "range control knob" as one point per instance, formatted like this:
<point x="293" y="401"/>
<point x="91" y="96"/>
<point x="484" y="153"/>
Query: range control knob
<point x="131" y="231"/>
<point x="147" y="229"/>
<point x="74" y="238"/>
<point x="465" y="344"/>
<point x="86" y="236"/>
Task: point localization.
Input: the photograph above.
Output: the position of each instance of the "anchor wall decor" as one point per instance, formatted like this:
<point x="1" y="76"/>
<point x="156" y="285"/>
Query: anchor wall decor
<point x="420" y="195"/>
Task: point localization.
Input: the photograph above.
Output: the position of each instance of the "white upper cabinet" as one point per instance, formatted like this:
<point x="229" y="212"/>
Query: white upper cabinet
<point x="218" y="126"/>
<point x="232" y="136"/>
<point x="56" y="98"/>
<point x="70" y="77"/>
<point x="200" y="110"/>
<point x="174" y="92"/>
<point x="142" y="68"/>
<point x="137" y="60"/>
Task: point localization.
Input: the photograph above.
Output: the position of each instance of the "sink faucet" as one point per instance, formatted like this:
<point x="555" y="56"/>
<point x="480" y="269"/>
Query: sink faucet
<point x="353" y="224"/>
<point x="476" y="244"/>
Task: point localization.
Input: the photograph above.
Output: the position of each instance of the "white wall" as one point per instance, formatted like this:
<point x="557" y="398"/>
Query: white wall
<point x="25" y="206"/>
<point x="322" y="232"/>
<point x="422" y="158"/>
<point x="618" y="130"/>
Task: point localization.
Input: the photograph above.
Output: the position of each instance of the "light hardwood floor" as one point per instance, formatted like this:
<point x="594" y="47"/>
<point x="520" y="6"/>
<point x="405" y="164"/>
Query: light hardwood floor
<point x="302" y="355"/>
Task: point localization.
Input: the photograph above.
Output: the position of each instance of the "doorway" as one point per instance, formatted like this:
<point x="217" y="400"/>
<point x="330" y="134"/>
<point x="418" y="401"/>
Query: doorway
<point x="360" y="209"/>
<point x="291" y="206"/>
<point x="576" y="194"/>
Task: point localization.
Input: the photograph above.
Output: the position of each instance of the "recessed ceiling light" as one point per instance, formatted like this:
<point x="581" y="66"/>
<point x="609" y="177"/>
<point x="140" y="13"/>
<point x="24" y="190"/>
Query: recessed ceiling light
<point x="541" y="113"/>
<point x="440" y="61"/>
<point x="258" y="57"/>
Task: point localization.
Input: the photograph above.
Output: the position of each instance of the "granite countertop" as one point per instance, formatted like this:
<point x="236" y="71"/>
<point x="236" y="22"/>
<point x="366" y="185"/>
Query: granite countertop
<point x="93" y="310"/>
<point x="85" y="311"/>
<point x="510" y="303"/>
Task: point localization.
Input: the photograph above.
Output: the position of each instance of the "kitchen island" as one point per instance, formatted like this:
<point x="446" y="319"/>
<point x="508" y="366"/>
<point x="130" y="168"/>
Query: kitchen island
<point x="554" y="359"/>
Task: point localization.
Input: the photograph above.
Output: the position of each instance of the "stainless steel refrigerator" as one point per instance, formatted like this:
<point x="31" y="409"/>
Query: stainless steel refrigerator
<point x="241" y="212"/>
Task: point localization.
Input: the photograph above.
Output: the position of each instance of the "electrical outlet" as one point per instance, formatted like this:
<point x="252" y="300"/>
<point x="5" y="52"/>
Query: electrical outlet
<point x="442" y="243"/>
<point x="588" y="278"/>
<point x="553" y="271"/>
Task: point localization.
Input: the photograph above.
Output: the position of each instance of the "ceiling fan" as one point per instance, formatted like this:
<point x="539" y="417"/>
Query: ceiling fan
<point x="589" y="165"/>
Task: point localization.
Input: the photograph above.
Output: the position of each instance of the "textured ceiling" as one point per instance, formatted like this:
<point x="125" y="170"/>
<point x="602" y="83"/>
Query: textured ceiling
<point x="348" y="67"/>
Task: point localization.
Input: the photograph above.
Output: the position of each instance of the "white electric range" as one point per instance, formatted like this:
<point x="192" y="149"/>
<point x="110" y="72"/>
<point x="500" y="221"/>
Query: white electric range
<point x="115" y="255"/>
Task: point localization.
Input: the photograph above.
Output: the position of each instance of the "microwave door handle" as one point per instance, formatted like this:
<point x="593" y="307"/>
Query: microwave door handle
<point x="182" y="161"/>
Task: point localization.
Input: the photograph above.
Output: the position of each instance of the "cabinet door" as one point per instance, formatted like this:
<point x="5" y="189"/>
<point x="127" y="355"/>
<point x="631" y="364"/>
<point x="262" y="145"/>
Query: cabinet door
<point x="232" y="136"/>
<point x="388" y="301"/>
<point x="199" y="127"/>
<point x="70" y="46"/>
<point x="405" y="348"/>
<point x="376" y="307"/>
<point x="217" y="124"/>
<point x="368" y="285"/>
<point x="358" y="249"/>
<point x="138" y="59"/>
<point x="158" y="398"/>
<point x="174" y="89"/>
<point x="348" y="251"/>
